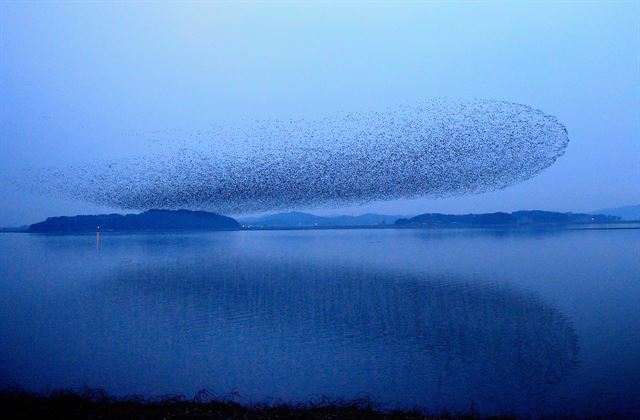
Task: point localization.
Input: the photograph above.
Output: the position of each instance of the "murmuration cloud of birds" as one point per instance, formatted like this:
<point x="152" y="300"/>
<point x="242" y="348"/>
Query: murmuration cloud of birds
<point x="437" y="148"/>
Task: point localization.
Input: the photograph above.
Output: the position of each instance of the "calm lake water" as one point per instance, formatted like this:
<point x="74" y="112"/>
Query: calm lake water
<point x="531" y="322"/>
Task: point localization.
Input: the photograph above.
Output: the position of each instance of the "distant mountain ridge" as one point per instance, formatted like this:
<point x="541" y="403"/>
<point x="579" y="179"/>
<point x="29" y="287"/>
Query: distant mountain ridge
<point x="300" y="219"/>
<point x="149" y="220"/>
<point x="624" y="212"/>
<point x="517" y="218"/>
<point x="202" y="220"/>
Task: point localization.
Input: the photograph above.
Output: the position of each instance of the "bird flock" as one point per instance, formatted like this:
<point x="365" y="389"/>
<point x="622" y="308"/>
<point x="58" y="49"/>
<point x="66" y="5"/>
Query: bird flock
<point x="437" y="148"/>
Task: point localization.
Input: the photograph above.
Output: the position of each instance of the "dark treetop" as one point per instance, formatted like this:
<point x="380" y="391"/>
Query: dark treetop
<point x="149" y="220"/>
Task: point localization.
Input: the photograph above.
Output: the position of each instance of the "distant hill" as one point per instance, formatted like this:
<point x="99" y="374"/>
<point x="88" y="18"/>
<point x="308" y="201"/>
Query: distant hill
<point x="149" y="220"/>
<point x="298" y="219"/>
<point x="517" y="218"/>
<point x="625" y="212"/>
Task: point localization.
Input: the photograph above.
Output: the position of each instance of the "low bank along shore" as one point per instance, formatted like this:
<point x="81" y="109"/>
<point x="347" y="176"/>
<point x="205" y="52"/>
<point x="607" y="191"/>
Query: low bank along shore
<point x="96" y="404"/>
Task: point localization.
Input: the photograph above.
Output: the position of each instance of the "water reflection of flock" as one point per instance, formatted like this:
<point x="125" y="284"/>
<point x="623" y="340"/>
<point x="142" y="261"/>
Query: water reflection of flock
<point x="428" y="340"/>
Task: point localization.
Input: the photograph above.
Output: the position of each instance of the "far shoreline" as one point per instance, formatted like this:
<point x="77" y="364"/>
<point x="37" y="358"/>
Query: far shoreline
<point x="520" y="228"/>
<point x="182" y="220"/>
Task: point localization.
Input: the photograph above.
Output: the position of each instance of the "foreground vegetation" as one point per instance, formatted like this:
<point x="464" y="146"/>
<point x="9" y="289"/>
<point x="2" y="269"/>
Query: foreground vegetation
<point x="97" y="404"/>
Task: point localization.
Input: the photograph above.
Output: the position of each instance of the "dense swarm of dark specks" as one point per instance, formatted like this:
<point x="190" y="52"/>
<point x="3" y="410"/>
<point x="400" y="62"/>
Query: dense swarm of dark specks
<point x="437" y="148"/>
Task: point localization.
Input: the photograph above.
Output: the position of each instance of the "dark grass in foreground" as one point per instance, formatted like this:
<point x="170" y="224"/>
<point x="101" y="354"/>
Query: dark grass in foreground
<point x="97" y="404"/>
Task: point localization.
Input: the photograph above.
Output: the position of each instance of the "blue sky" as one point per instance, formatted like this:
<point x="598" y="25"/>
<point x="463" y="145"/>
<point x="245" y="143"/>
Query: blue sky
<point x="77" y="79"/>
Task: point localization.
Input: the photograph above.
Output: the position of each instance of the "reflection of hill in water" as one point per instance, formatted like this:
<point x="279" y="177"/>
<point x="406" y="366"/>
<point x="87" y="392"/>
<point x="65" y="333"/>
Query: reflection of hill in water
<point x="349" y="331"/>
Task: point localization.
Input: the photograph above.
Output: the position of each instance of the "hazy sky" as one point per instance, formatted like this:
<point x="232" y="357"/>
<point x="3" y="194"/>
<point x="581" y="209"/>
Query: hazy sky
<point x="77" y="79"/>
